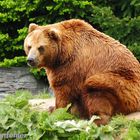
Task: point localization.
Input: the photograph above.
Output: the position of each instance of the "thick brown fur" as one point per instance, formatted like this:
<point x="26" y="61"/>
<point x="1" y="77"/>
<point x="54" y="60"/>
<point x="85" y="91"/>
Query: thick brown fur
<point x="87" y="68"/>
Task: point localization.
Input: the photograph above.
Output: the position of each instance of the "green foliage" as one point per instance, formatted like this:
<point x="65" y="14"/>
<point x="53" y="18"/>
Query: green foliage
<point x="16" y="61"/>
<point x="135" y="48"/>
<point x="38" y="73"/>
<point x="17" y="117"/>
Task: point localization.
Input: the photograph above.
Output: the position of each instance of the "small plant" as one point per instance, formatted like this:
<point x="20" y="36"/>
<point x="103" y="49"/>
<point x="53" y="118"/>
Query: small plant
<point x="39" y="73"/>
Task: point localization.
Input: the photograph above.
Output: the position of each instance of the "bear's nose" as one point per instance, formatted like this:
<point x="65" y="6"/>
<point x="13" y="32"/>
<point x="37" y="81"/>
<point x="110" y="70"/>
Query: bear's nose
<point x="31" y="62"/>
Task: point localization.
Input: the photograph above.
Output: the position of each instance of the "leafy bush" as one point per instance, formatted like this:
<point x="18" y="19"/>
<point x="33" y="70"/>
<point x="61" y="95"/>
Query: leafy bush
<point x="16" y="61"/>
<point x="17" y="117"/>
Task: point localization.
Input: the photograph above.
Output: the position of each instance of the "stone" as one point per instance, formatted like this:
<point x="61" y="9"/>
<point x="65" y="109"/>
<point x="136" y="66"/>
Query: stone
<point x="19" y="78"/>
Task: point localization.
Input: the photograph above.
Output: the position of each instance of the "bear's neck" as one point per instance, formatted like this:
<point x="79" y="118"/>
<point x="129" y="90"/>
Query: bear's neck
<point x="61" y="62"/>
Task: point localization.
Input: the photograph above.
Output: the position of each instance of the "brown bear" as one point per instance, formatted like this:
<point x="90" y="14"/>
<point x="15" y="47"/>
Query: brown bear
<point x="92" y="71"/>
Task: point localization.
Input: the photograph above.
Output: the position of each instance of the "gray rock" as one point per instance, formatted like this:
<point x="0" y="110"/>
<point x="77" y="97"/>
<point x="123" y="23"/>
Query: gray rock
<point x="16" y="78"/>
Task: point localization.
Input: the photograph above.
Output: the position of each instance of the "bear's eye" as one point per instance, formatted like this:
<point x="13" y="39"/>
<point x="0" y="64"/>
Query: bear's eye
<point x="29" y="47"/>
<point x="41" y="49"/>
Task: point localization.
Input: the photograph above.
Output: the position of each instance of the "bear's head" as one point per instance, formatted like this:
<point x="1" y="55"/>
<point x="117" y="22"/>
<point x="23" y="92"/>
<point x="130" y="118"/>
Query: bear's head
<point x="56" y="44"/>
<point x="42" y="45"/>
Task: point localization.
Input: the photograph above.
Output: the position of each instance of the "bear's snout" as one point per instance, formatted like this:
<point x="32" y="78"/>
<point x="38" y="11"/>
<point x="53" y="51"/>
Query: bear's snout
<point x="31" y="62"/>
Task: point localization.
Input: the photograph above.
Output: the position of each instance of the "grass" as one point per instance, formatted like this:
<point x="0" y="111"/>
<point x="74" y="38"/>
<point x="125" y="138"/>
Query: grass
<point x="17" y="120"/>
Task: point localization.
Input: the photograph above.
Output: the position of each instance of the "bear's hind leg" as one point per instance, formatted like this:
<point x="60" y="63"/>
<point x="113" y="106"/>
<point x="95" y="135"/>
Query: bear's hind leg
<point x="100" y="104"/>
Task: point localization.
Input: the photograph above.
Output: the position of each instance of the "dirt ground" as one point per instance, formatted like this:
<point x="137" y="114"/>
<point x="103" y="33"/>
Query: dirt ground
<point x="44" y="104"/>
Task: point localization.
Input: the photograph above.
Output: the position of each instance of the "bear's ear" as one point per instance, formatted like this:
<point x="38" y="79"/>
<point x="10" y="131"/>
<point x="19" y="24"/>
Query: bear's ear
<point x="32" y="27"/>
<point x="54" y="34"/>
